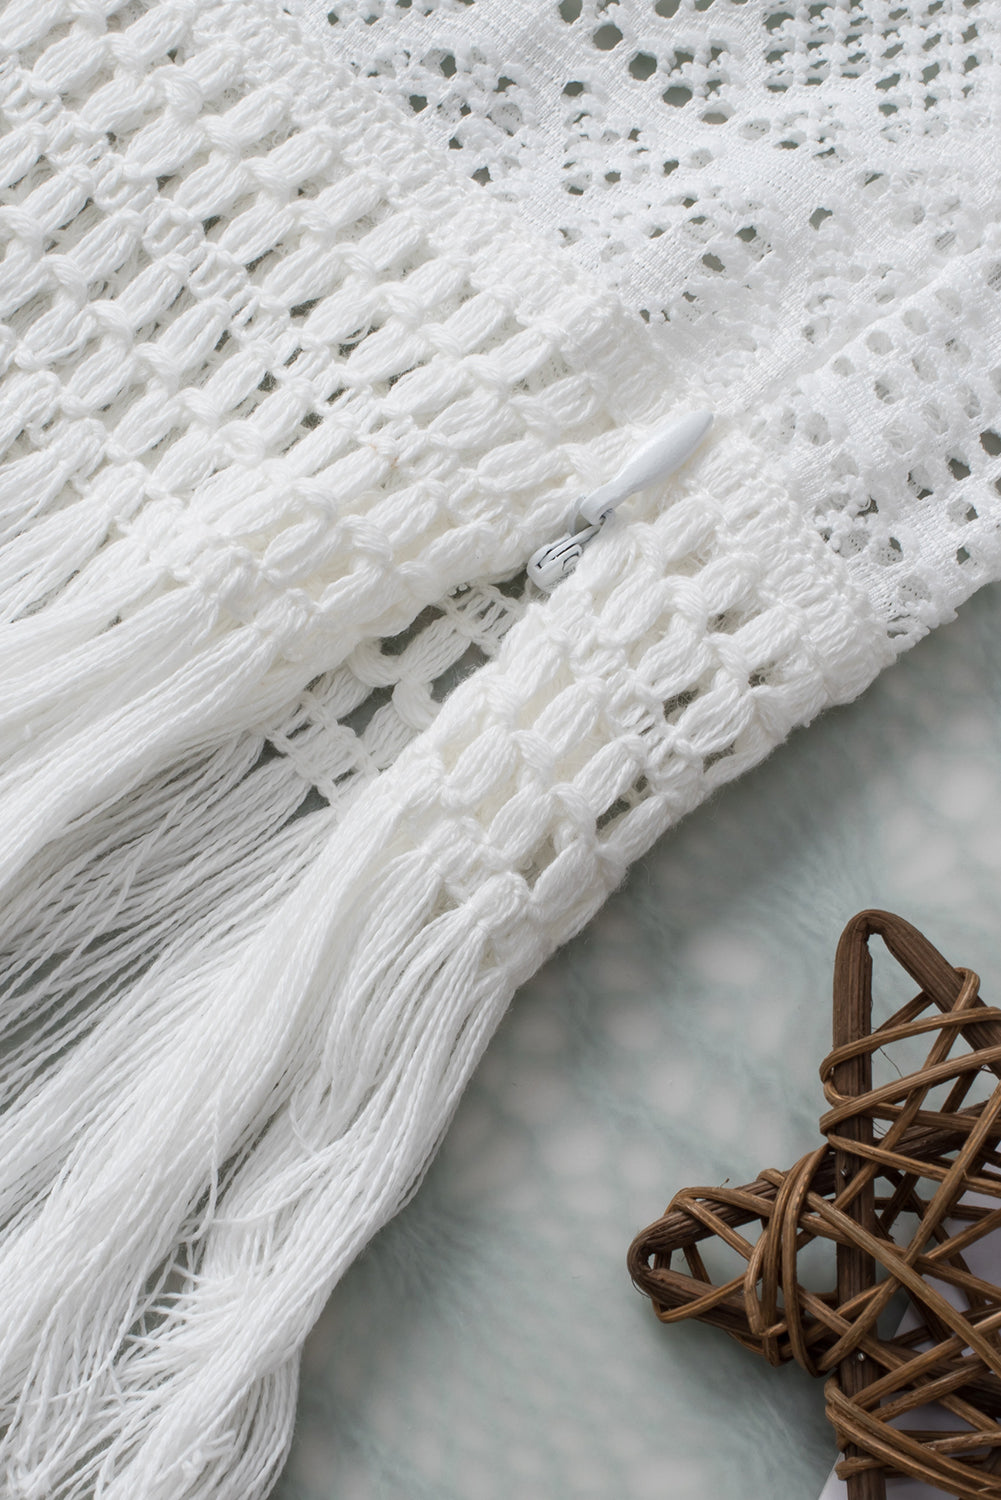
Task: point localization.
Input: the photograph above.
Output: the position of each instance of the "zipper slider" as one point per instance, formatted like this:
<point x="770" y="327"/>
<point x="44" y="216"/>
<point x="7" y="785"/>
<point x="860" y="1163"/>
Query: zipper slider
<point x="658" y="458"/>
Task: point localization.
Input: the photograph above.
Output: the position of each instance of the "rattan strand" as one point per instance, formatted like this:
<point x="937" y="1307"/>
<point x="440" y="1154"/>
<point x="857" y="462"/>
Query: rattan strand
<point x="894" y="1189"/>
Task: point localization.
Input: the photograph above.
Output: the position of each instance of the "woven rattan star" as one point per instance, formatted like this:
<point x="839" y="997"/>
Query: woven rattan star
<point x="906" y="1191"/>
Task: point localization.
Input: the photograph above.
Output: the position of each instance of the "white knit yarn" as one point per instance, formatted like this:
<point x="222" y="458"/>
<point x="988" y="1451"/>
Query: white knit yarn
<point x="284" y="403"/>
<point x="802" y="198"/>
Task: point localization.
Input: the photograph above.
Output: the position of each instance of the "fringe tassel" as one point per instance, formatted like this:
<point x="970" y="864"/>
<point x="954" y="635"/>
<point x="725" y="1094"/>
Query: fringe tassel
<point x="181" y="1192"/>
<point x="106" y="717"/>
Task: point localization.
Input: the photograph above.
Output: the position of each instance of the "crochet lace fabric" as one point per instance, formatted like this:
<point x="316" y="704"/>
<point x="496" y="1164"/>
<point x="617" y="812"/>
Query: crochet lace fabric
<point x="299" y="777"/>
<point x="801" y="198"/>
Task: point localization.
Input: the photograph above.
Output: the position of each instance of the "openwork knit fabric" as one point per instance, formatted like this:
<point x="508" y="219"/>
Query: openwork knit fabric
<point x="802" y="199"/>
<point x="300" y="778"/>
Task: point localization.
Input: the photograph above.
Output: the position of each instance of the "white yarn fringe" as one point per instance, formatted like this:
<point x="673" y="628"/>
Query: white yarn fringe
<point x="215" y="1153"/>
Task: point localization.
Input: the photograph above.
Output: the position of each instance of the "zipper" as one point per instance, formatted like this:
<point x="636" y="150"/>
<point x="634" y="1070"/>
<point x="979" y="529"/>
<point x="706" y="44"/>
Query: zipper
<point x="660" y="456"/>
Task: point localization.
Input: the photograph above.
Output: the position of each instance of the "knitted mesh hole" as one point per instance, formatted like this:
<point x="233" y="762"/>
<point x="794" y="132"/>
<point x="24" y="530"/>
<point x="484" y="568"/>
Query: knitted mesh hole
<point x="358" y="720"/>
<point x="120" y="17"/>
<point x="677" y="703"/>
<point x="397" y="644"/>
<point x="541" y="858"/>
<point x="32" y="177"/>
<point x="471" y="659"/>
<point x="612" y="814"/>
<point x="729" y="621"/>
<point x="715" y="756"/>
<point x="546" y="375"/>
<point x="29" y="313"/>
<point x="612" y="818"/>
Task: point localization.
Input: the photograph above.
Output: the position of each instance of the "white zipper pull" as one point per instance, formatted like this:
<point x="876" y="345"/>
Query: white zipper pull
<point x="658" y="458"/>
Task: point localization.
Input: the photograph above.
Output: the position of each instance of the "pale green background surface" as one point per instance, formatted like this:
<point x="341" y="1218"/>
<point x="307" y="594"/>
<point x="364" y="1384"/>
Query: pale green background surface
<point x="489" y="1343"/>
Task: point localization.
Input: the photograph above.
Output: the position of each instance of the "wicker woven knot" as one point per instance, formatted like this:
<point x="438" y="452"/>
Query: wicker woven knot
<point x="907" y="1190"/>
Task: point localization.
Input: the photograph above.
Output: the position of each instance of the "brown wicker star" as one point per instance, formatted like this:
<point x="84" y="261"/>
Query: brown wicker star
<point x="906" y="1187"/>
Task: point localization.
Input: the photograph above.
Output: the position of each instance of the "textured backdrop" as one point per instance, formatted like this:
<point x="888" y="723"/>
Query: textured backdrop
<point x="497" y="1346"/>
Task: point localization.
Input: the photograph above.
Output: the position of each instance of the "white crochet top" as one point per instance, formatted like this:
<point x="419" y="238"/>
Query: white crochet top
<point x="300" y="778"/>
